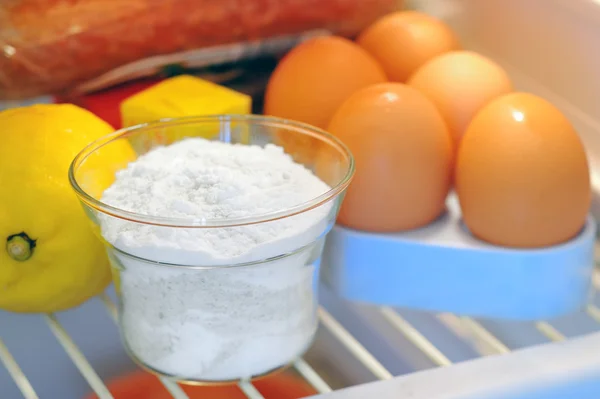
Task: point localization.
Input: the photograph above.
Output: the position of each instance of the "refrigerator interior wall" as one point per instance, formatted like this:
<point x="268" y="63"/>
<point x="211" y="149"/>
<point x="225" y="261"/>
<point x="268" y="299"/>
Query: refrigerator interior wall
<point x="549" y="48"/>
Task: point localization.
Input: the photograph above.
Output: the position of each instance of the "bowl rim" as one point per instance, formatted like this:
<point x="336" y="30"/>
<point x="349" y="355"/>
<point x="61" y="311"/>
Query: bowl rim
<point x="178" y="222"/>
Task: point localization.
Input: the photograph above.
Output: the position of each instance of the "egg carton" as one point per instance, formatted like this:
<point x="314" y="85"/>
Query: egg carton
<point x="443" y="268"/>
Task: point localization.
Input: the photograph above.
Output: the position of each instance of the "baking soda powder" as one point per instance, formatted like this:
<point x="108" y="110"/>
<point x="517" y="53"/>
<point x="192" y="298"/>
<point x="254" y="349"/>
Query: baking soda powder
<point x="216" y="322"/>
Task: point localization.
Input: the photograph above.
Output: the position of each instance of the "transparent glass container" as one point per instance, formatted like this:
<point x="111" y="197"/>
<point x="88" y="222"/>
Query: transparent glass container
<point x="197" y="319"/>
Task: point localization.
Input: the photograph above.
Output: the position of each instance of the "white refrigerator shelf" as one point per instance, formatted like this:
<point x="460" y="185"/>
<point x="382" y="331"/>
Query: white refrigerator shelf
<point x="344" y="355"/>
<point x="442" y="268"/>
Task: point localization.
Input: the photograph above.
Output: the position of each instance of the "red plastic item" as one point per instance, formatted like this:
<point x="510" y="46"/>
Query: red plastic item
<point x="142" y="385"/>
<point x="105" y="104"/>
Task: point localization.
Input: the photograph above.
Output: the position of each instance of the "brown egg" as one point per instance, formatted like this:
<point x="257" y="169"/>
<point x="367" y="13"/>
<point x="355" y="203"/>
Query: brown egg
<point x="403" y="41"/>
<point x="403" y="157"/>
<point x="313" y="79"/>
<point x="522" y="174"/>
<point x="460" y="83"/>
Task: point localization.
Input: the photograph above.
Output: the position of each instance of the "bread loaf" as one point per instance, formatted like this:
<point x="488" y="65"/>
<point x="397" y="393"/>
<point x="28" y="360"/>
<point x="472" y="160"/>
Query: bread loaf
<point x="49" y="46"/>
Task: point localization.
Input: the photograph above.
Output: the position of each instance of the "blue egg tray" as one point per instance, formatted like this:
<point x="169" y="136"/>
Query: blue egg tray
<point x="443" y="268"/>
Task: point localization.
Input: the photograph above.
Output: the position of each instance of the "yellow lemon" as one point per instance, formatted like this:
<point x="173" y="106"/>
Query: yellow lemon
<point x="50" y="258"/>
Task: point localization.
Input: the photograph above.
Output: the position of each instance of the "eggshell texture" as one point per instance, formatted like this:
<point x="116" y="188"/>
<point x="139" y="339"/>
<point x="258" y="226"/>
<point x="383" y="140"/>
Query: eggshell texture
<point x="403" y="41"/>
<point x="522" y="175"/>
<point x="313" y="79"/>
<point x="402" y="151"/>
<point x="460" y="83"/>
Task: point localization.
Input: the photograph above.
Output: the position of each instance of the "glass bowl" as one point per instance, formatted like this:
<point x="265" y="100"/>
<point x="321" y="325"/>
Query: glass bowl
<point x="199" y="319"/>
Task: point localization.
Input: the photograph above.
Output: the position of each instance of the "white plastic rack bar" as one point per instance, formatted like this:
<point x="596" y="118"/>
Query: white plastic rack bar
<point x="549" y="331"/>
<point x="415" y="337"/>
<point x="312" y="376"/>
<point x="484" y="335"/>
<point x="463" y="327"/>
<point x="352" y="344"/>
<point x="594" y="312"/>
<point x="16" y="373"/>
<point x="78" y="358"/>
<point x="250" y="391"/>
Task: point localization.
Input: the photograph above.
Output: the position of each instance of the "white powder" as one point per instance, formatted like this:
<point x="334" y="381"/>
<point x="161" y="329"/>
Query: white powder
<point x="221" y="323"/>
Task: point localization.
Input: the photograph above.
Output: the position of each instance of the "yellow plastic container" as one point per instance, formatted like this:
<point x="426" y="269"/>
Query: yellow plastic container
<point x="178" y="97"/>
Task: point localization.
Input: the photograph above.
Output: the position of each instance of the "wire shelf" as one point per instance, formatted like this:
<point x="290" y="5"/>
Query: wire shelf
<point x="471" y="331"/>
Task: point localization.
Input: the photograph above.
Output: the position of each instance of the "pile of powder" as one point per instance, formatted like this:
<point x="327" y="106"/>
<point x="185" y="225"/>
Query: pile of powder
<point x="200" y="180"/>
<point x="220" y="323"/>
